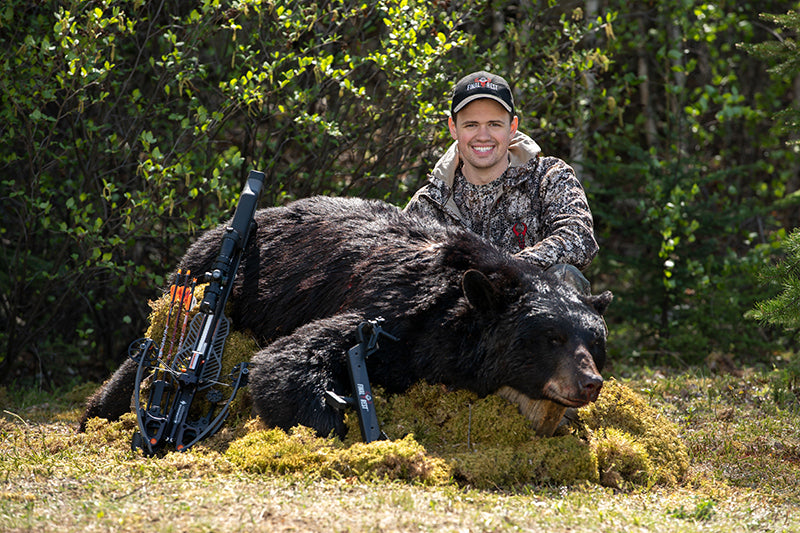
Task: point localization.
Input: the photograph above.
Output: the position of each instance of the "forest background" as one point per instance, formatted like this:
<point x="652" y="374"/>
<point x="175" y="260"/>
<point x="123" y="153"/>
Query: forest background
<point x="127" y="127"/>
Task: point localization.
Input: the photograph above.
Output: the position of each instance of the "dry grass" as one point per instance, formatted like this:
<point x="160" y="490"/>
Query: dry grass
<point x="741" y="433"/>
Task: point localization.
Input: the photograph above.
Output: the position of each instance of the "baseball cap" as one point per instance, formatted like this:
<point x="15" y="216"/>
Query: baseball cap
<point x="481" y="84"/>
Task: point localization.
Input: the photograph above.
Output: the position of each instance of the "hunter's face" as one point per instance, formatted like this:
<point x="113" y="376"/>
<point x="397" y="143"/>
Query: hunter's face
<point x="483" y="130"/>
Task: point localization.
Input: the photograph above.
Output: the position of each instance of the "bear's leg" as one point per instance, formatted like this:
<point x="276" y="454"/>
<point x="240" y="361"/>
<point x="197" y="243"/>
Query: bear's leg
<point x="288" y="378"/>
<point x="113" y="399"/>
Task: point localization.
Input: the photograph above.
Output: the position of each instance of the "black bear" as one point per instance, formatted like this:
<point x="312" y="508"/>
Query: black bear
<point x="465" y="313"/>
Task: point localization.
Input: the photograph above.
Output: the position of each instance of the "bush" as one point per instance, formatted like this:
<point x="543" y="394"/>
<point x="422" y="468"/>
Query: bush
<point x="126" y="126"/>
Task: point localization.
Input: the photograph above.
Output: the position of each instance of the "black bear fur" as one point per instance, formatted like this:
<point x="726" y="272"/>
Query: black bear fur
<point x="467" y="314"/>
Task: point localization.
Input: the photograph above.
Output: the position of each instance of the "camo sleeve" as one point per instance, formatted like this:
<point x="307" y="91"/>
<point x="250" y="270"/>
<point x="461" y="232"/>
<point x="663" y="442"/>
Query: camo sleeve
<point x="421" y="204"/>
<point x="429" y="201"/>
<point x="566" y="226"/>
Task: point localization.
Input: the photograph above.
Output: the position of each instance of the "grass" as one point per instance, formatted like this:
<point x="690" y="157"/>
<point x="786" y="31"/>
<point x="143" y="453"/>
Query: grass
<point x="741" y="431"/>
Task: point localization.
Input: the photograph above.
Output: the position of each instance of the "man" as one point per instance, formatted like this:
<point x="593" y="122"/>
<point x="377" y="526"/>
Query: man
<point x="494" y="181"/>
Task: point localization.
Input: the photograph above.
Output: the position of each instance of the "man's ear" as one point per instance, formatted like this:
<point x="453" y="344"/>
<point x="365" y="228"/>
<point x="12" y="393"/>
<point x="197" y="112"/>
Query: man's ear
<point x="452" y="125"/>
<point x="479" y="291"/>
<point x="514" y="124"/>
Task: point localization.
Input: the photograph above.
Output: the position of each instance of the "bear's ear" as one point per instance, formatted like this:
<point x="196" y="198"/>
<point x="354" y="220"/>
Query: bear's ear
<point x="479" y="291"/>
<point x="601" y="301"/>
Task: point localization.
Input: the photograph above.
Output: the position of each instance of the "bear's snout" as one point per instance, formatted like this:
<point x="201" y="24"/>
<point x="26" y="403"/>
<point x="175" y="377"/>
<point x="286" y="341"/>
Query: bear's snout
<point x="590" y="385"/>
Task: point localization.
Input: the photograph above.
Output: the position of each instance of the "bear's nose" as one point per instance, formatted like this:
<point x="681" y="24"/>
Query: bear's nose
<point x="591" y="384"/>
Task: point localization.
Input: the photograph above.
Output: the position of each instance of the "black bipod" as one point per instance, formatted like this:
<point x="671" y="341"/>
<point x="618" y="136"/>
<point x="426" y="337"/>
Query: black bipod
<point x="361" y="400"/>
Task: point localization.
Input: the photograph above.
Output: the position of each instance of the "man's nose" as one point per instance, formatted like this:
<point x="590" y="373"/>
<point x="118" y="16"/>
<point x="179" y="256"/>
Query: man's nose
<point x="483" y="132"/>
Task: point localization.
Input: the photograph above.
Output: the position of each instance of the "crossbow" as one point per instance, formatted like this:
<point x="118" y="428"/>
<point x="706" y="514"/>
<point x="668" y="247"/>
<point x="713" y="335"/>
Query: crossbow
<point x="170" y="376"/>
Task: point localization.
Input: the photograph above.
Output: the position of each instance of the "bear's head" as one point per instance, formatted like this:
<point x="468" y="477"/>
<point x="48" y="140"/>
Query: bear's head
<point x="541" y="338"/>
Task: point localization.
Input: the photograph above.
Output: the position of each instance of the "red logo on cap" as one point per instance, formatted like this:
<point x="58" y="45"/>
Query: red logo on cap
<point x="483" y="80"/>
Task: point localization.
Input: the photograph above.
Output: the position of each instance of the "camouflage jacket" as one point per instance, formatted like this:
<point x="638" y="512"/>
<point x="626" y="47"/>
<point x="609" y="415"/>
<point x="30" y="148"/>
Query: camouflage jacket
<point x="537" y="209"/>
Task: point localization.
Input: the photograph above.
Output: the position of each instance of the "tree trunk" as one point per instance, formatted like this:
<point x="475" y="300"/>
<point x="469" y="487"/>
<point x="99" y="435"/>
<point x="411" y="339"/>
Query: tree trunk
<point x="577" y="147"/>
<point x="643" y="72"/>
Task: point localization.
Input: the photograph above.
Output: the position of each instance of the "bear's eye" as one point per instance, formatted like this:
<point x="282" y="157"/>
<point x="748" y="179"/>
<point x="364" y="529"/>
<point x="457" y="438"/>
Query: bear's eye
<point x="556" y="339"/>
<point x="596" y="344"/>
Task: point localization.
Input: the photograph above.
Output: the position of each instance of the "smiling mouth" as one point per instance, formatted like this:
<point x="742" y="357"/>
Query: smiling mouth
<point x="483" y="149"/>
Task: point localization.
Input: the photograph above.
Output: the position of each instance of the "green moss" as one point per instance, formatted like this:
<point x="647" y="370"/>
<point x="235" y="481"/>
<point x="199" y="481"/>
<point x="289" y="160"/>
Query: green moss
<point x="300" y="452"/>
<point x="273" y="451"/>
<point x="100" y="432"/>
<point x="451" y="421"/>
<point x="621" y="458"/>
<point x="487" y="442"/>
<point x="621" y="408"/>
<point x="403" y="459"/>
<point x="619" y="441"/>
<point x="437" y="435"/>
<point x="563" y="460"/>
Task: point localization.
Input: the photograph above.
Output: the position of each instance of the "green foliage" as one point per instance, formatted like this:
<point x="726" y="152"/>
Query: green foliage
<point x="309" y="78"/>
<point x="552" y="55"/>
<point x="784" y="56"/>
<point x="687" y="214"/>
<point x="98" y="180"/>
<point x="127" y="126"/>
<point x="782" y="310"/>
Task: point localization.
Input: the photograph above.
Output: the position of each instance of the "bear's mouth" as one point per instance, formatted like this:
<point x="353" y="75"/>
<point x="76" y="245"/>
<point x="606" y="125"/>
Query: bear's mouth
<point x="566" y="402"/>
<point x="553" y="392"/>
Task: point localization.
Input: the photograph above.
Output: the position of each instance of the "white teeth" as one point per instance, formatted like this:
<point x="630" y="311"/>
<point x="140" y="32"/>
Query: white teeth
<point x="482" y="148"/>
